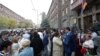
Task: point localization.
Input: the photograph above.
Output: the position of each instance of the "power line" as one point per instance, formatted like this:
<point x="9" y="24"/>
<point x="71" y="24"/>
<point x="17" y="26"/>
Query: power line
<point x="35" y="10"/>
<point x="32" y="4"/>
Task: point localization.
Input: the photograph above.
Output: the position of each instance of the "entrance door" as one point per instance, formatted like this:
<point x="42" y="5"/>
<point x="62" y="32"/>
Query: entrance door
<point x="98" y="17"/>
<point x="88" y="22"/>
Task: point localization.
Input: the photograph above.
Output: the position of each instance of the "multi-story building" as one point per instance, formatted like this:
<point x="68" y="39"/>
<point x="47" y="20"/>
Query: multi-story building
<point x="90" y="14"/>
<point x="68" y="16"/>
<point x="52" y="15"/>
<point x="60" y="15"/>
<point x="6" y="12"/>
<point x="43" y="15"/>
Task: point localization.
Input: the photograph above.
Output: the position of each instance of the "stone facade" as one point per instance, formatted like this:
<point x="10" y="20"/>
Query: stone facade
<point x="90" y="14"/>
<point x="60" y="15"/>
<point x="52" y="15"/>
<point x="68" y="15"/>
<point x="4" y="11"/>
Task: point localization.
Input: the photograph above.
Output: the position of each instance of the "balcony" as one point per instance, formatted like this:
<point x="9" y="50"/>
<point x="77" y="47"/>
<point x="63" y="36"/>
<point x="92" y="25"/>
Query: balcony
<point x="75" y="4"/>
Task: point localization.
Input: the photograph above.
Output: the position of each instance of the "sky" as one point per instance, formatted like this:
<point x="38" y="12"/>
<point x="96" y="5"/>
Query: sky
<point x="28" y="8"/>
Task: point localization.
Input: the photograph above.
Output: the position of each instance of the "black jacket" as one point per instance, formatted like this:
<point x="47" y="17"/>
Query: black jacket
<point x="37" y="44"/>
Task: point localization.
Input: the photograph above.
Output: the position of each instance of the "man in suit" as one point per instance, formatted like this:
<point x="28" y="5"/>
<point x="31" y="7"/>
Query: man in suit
<point x="69" y="42"/>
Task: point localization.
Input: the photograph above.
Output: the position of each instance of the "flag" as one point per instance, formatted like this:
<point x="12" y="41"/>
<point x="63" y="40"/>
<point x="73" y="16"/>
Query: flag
<point x="83" y="4"/>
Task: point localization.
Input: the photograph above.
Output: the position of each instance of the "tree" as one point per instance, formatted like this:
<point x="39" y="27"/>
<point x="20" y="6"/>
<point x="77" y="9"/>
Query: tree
<point x="3" y="22"/>
<point x="25" y="24"/>
<point x="12" y="23"/>
<point x="45" y="24"/>
<point x="21" y="25"/>
<point x="6" y="22"/>
<point x="28" y="25"/>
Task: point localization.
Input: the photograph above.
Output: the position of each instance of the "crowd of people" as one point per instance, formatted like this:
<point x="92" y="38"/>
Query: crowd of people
<point x="49" y="42"/>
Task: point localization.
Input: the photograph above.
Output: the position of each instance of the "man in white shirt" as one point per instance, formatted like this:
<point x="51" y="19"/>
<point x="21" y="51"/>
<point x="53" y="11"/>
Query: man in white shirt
<point x="88" y="44"/>
<point x="40" y="34"/>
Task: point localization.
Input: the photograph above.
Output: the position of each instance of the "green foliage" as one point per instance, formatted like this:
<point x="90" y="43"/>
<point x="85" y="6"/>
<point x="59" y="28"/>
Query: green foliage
<point x="28" y="24"/>
<point x="12" y="23"/>
<point x="21" y="25"/>
<point x="7" y="22"/>
<point x="45" y="24"/>
<point x="3" y="22"/>
<point x="25" y="25"/>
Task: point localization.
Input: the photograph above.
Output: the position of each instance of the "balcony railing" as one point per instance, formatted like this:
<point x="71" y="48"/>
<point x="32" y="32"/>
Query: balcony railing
<point x="75" y="4"/>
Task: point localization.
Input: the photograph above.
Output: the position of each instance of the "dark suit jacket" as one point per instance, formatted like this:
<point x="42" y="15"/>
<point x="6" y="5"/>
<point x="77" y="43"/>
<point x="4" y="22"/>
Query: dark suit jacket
<point x="69" y="42"/>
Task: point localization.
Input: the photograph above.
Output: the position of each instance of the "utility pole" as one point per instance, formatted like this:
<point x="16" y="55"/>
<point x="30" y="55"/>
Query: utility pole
<point x="37" y="14"/>
<point x="35" y="10"/>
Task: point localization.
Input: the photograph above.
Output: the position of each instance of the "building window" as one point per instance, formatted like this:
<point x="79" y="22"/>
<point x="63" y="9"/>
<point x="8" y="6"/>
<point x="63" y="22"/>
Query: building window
<point x="66" y="10"/>
<point x="98" y="17"/>
<point x="62" y="13"/>
<point x="98" y="7"/>
<point x="72" y="1"/>
<point x="89" y="10"/>
<point x="63" y="1"/>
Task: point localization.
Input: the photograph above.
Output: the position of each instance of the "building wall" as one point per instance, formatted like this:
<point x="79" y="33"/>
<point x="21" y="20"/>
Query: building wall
<point x="90" y="14"/>
<point x="4" y="11"/>
<point x="52" y="15"/>
<point x="66" y="13"/>
<point x="59" y="14"/>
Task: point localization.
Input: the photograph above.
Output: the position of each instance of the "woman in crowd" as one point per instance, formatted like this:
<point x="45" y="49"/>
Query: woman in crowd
<point x="79" y="41"/>
<point x="26" y="50"/>
<point x="15" y="46"/>
<point x="24" y="36"/>
<point x="51" y="40"/>
<point x="37" y="44"/>
<point x="88" y="45"/>
<point x="94" y="38"/>
<point x="57" y="45"/>
<point x="6" y="48"/>
<point x="3" y="37"/>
